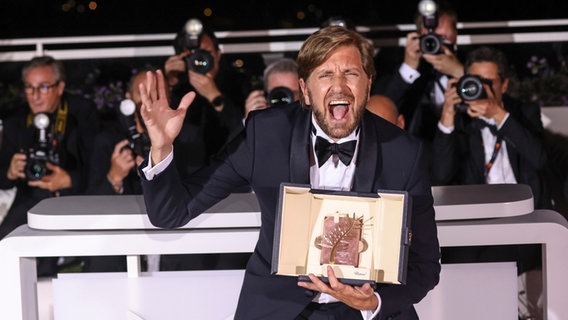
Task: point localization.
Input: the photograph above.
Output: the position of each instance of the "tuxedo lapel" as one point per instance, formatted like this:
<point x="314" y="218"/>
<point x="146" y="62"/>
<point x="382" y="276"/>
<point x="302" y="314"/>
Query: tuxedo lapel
<point x="300" y="148"/>
<point x="477" y="152"/>
<point x="368" y="157"/>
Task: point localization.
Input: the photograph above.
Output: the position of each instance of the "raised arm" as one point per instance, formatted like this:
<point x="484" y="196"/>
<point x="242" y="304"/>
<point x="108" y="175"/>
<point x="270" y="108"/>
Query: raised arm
<point x="162" y="122"/>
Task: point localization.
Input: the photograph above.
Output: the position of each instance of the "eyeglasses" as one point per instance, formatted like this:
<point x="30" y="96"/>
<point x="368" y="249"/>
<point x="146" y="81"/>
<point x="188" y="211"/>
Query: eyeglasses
<point x="42" y="88"/>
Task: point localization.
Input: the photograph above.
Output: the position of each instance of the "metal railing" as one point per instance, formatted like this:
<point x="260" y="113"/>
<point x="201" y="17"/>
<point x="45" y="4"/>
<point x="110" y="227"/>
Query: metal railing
<point x="270" y="41"/>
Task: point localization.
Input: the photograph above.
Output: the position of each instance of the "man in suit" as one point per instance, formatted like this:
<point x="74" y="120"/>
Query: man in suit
<point x="72" y="122"/>
<point x="335" y="67"/>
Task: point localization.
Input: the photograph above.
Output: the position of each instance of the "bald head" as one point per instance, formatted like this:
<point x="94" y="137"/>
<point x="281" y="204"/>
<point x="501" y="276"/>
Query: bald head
<point x="385" y="108"/>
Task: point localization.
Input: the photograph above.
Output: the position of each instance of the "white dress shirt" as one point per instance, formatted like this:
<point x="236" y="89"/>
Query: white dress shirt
<point x="501" y="171"/>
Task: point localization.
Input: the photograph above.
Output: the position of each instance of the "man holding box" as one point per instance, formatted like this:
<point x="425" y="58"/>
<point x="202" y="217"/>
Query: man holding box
<point x="290" y="144"/>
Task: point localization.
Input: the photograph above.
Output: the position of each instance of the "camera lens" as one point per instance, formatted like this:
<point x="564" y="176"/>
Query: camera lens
<point x="200" y="61"/>
<point x="430" y="43"/>
<point x="280" y="95"/>
<point x="36" y="169"/>
<point x="471" y="88"/>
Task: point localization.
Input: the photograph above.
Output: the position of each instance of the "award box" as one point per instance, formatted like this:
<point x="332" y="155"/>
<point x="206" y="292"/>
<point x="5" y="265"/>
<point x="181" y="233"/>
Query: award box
<point x="364" y="237"/>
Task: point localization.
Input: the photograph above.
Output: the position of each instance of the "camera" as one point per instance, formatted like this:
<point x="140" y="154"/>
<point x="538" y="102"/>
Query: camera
<point x="469" y="88"/>
<point x="138" y="142"/>
<point x="198" y="60"/>
<point x="430" y="43"/>
<point x="280" y="95"/>
<point x="40" y="153"/>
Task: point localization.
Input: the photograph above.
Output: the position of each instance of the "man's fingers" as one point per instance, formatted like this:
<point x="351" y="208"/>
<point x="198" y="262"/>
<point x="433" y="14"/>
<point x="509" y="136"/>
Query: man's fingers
<point x="186" y="101"/>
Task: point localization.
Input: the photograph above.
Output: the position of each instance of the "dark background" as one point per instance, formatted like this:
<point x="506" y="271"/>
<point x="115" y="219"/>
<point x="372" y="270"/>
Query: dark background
<point x="54" y="18"/>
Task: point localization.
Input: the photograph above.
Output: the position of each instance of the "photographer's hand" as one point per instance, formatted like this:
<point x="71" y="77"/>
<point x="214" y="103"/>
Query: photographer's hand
<point x="121" y="162"/>
<point x="17" y="165"/>
<point x="451" y="98"/>
<point x="173" y="67"/>
<point x="58" y="179"/>
<point x="256" y="100"/>
<point x="163" y="123"/>
<point x="489" y="107"/>
<point x="412" y="53"/>
<point x="446" y="63"/>
<point x="205" y="86"/>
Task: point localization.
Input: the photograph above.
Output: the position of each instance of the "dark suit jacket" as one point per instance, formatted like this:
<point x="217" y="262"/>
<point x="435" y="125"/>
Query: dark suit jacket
<point x="276" y="148"/>
<point x="459" y="157"/>
<point x="415" y="103"/>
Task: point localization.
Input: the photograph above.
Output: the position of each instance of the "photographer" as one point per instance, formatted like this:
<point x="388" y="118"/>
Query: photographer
<point x="417" y="86"/>
<point x="62" y="147"/>
<point x="119" y="149"/>
<point x="197" y="66"/>
<point x="281" y="86"/>
<point x="494" y="139"/>
<point x="112" y="169"/>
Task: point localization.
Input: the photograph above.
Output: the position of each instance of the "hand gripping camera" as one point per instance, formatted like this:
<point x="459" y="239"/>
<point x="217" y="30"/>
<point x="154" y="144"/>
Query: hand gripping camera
<point x="138" y="142"/>
<point x="470" y="87"/>
<point x="198" y="60"/>
<point x="430" y="43"/>
<point x="42" y="152"/>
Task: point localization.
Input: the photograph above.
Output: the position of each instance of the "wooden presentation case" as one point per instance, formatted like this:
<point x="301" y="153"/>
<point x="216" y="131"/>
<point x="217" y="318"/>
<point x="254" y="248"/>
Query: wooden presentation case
<point x="384" y="221"/>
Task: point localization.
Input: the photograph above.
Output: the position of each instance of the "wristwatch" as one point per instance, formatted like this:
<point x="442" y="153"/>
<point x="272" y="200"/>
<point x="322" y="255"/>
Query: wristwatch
<point x="218" y="101"/>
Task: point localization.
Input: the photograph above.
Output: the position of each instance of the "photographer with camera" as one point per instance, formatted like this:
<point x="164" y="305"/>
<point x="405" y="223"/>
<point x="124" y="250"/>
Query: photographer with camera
<point x="430" y="59"/>
<point x="197" y="66"/>
<point x="485" y="135"/>
<point x="119" y="149"/>
<point x="281" y="86"/>
<point x="47" y="144"/>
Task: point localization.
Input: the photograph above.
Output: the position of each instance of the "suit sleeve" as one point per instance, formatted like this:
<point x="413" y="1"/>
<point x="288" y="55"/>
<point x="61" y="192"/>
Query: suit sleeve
<point x="172" y="202"/>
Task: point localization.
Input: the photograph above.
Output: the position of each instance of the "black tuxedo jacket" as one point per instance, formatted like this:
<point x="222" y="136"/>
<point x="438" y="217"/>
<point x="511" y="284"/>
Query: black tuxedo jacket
<point x="459" y="157"/>
<point x="275" y="147"/>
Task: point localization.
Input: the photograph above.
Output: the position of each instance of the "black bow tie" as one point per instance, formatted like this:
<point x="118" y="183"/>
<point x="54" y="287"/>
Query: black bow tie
<point x="480" y="124"/>
<point x="324" y="149"/>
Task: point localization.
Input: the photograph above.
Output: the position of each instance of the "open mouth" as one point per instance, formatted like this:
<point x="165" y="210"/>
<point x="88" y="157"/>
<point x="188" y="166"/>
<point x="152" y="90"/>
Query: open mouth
<point x="338" y="109"/>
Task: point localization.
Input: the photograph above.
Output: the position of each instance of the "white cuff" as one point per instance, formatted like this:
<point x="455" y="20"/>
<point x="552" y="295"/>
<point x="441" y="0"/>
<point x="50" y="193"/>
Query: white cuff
<point x="371" y="314"/>
<point x="408" y="74"/>
<point x="150" y="172"/>
<point x="444" y="129"/>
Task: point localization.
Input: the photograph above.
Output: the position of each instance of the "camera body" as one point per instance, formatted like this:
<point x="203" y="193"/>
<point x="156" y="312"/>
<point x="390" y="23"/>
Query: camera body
<point x="430" y="43"/>
<point x="41" y="153"/>
<point x="280" y="95"/>
<point x="469" y="88"/>
<point x="189" y="39"/>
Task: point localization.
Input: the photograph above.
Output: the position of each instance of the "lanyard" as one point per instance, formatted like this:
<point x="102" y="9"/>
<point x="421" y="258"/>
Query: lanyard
<point x="496" y="149"/>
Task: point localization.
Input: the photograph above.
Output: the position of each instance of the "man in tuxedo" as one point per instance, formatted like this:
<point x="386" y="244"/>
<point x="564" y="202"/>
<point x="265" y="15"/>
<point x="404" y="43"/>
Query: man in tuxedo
<point x="335" y="67"/>
<point x="496" y="138"/>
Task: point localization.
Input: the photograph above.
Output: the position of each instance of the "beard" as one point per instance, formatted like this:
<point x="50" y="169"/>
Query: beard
<point x="342" y="130"/>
